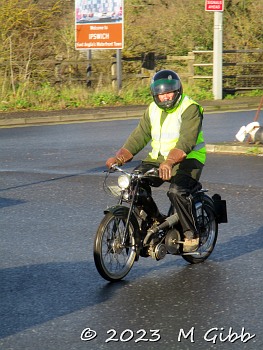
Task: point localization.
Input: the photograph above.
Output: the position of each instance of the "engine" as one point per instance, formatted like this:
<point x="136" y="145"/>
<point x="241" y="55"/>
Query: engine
<point x="172" y="240"/>
<point x="160" y="246"/>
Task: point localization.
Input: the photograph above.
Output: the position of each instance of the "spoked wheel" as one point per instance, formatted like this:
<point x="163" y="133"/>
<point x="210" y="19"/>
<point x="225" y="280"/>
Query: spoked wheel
<point x="208" y="235"/>
<point x="113" y="259"/>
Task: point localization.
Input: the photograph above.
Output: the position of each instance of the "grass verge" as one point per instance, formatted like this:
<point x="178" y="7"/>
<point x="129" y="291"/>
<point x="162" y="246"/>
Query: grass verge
<point x="49" y="97"/>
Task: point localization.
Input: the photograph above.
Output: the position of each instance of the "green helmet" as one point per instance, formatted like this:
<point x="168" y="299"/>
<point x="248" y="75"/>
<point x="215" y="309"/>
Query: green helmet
<point x="163" y="82"/>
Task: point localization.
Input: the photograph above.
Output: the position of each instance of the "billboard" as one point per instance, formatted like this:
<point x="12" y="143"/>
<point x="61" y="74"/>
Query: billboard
<point x="98" y="24"/>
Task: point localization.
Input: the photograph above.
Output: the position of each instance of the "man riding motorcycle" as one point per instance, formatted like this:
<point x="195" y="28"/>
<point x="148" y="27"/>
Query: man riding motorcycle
<point x="173" y="124"/>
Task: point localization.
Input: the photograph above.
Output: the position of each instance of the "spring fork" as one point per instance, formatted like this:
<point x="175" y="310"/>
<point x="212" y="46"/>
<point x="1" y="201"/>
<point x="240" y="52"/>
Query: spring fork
<point x="129" y="215"/>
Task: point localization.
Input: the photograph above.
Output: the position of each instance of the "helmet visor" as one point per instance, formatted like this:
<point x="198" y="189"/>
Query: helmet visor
<point x="161" y="86"/>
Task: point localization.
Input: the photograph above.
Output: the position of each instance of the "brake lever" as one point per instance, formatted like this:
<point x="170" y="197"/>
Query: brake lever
<point x="152" y="172"/>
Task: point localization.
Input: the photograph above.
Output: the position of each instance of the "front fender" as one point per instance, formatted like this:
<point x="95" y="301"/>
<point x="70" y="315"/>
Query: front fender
<point x="117" y="210"/>
<point x="120" y="211"/>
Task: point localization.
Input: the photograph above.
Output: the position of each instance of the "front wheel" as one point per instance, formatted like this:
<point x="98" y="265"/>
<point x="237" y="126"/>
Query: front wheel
<point x="113" y="259"/>
<point x="208" y="231"/>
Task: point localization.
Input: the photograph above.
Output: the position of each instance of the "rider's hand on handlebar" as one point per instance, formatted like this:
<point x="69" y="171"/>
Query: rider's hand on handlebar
<point x="111" y="161"/>
<point x="175" y="156"/>
<point x="165" y="170"/>
<point x="122" y="156"/>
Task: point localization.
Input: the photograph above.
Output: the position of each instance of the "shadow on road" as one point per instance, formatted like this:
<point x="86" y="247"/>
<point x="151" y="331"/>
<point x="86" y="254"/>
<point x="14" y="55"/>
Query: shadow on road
<point x="8" y="202"/>
<point x="238" y="246"/>
<point x="34" y="294"/>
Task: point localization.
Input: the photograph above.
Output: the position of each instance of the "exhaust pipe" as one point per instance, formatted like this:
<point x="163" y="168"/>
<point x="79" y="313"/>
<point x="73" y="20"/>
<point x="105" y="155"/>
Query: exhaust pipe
<point x="168" y="222"/>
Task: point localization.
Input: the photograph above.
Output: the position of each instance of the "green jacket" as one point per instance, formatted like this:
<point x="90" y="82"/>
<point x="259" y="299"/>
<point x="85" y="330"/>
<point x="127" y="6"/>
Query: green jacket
<point x="191" y="125"/>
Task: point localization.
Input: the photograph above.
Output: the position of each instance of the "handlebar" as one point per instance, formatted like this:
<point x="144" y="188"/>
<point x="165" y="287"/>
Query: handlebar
<point x="151" y="172"/>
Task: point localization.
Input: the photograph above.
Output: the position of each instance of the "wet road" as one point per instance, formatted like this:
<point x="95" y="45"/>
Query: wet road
<point x="51" y="202"/>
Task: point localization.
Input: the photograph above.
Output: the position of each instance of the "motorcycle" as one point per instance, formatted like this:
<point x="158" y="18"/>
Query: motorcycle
<point x="135" y="228"/>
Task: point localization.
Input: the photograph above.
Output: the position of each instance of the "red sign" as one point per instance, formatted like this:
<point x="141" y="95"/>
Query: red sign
<point x="99" y="24"/>
<point x="214" y="5"/>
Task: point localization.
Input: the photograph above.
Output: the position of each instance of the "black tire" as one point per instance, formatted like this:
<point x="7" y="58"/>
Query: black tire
<point x="208" y="234"/>
<point x="112" y="260"/>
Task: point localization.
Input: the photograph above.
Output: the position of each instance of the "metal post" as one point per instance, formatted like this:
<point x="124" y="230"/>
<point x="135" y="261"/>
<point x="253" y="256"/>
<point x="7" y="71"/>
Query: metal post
<point x="119" y="69"/>
<point x="218" y="53"/>
<point x="89" y="68"/>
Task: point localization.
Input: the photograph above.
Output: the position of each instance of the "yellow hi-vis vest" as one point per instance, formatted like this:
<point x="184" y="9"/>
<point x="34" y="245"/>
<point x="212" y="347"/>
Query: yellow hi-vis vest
<point x="165" y="137"/>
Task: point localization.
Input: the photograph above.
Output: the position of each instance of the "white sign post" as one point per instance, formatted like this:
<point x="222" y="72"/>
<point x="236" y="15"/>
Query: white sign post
<point x="218" y="56"/>
<point x="217" y="6"/>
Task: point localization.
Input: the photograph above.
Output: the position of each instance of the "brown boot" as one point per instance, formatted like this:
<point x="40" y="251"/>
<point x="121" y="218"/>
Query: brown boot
<point x="190" y="244"/>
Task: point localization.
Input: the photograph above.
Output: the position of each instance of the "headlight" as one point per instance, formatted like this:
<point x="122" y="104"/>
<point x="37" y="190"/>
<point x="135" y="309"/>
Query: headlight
<point x="124" y="181"/>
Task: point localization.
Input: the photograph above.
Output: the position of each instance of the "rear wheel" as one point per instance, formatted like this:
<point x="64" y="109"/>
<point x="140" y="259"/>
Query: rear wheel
<point x="113" y="259"/>
<point x="208" y="231"/>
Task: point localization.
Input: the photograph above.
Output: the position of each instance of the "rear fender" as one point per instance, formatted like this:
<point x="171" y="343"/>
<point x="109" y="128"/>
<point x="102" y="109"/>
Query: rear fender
<point x="201" y="197"/>
<point x="217" y="205"/>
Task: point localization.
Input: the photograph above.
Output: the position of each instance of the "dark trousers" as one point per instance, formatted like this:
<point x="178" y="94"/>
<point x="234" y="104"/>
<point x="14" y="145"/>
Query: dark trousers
<point x="184" y="182"/>
<point x="182" y="186"/>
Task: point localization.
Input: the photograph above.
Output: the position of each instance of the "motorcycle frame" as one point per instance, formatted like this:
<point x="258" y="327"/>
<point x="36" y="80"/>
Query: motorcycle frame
<point x="135" y="182"/>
